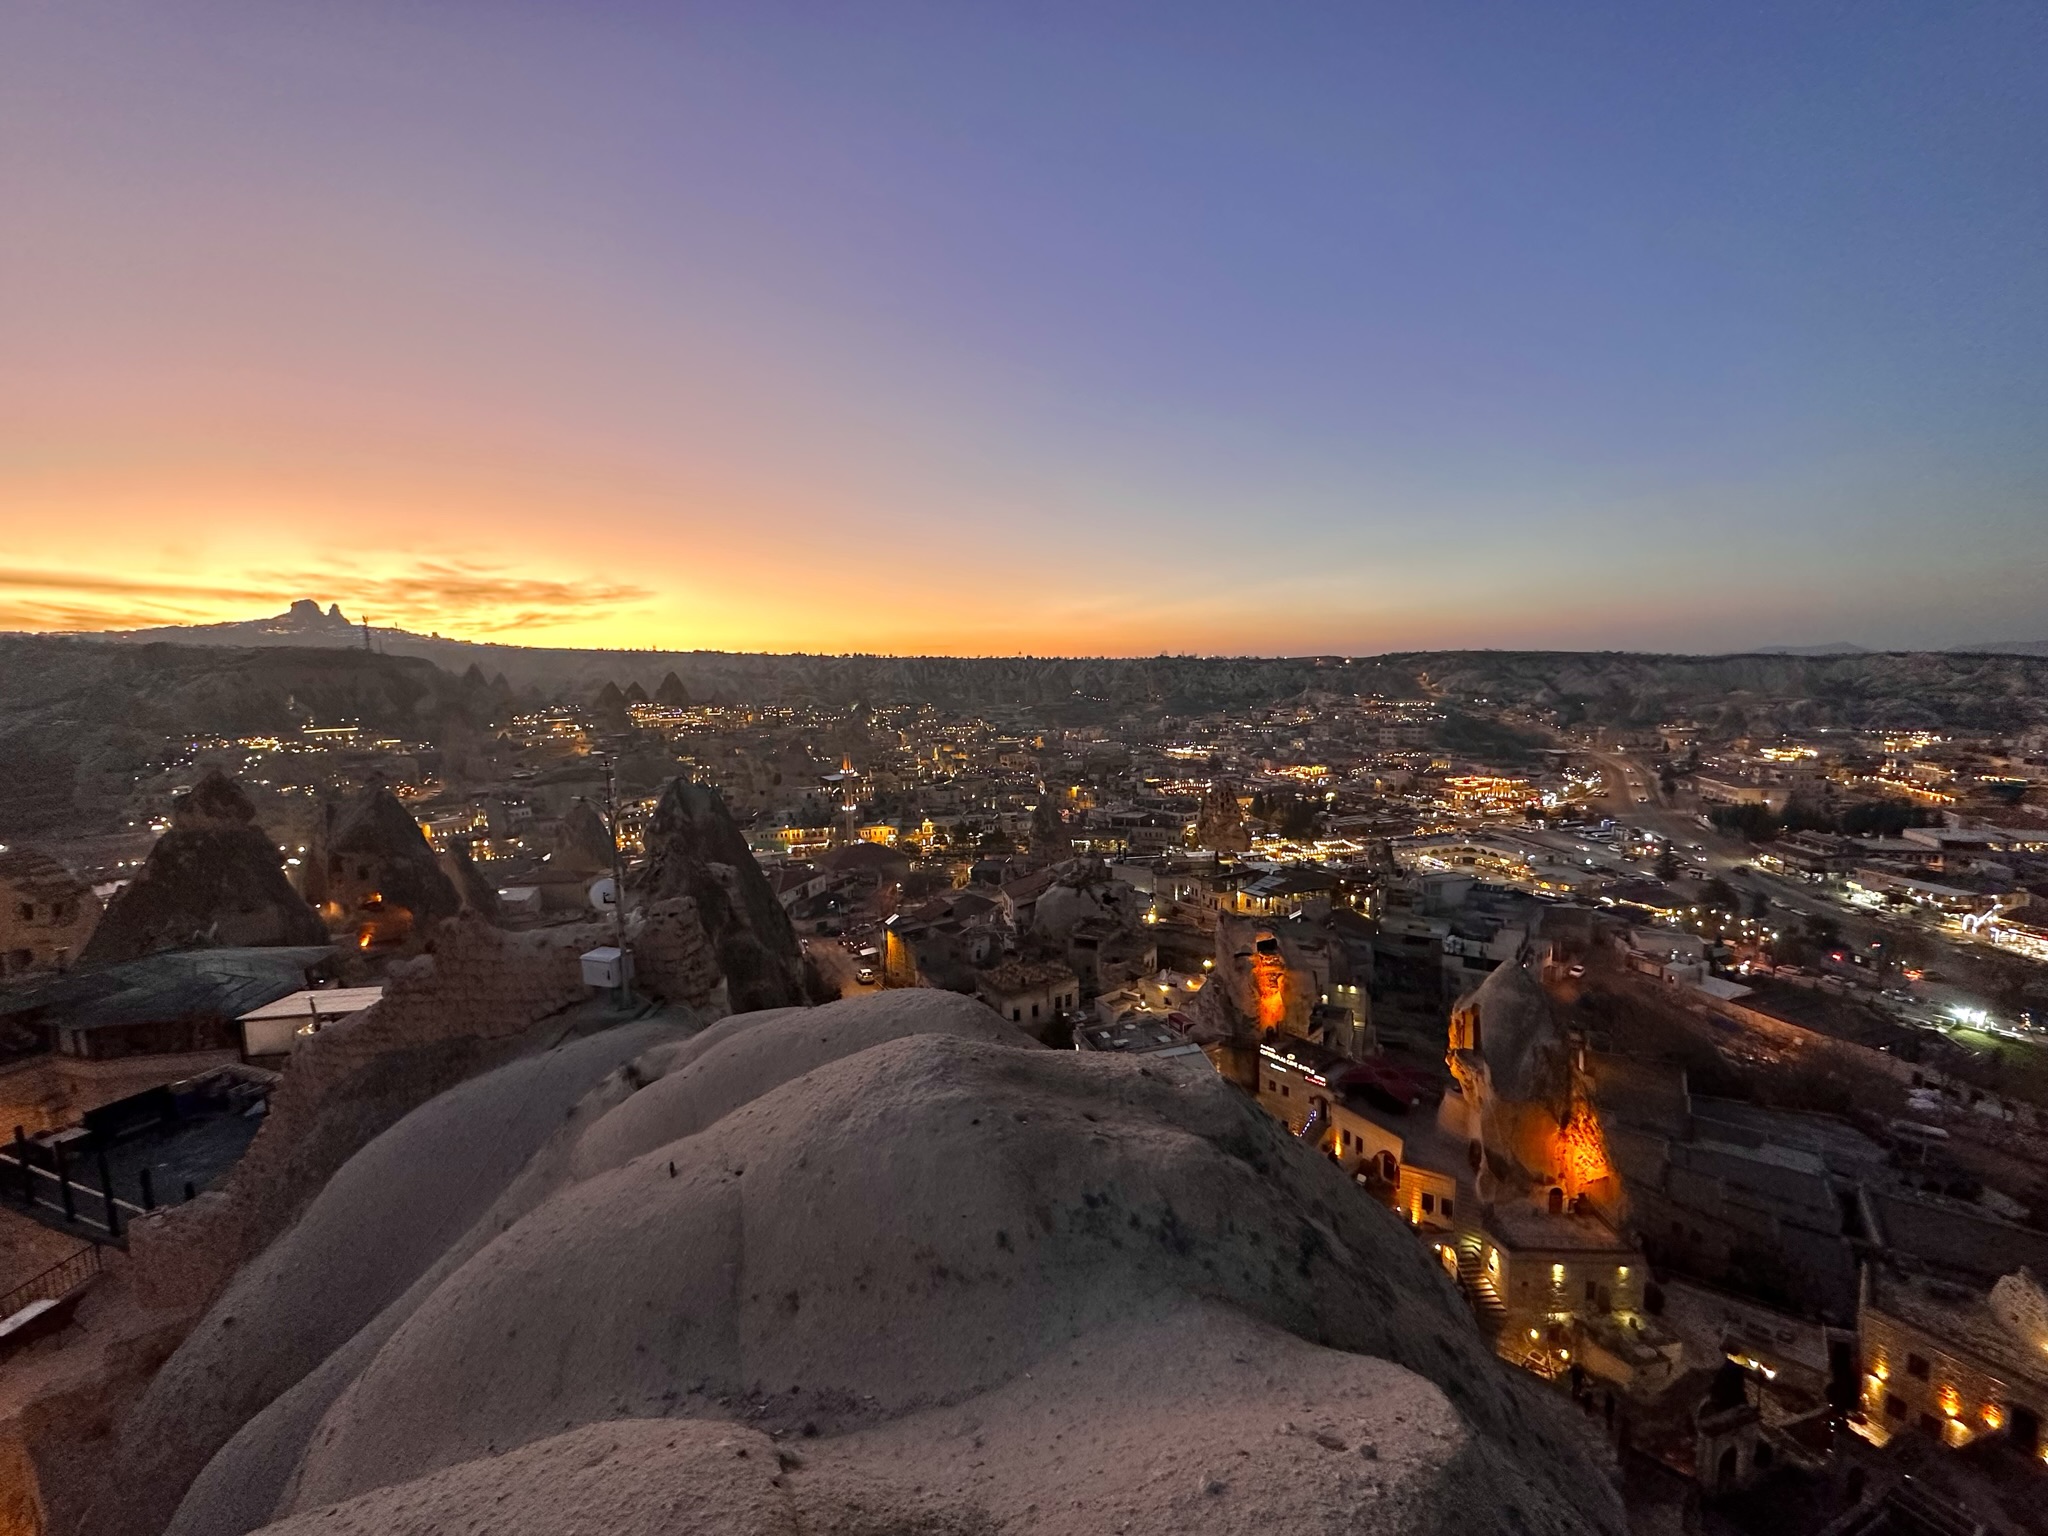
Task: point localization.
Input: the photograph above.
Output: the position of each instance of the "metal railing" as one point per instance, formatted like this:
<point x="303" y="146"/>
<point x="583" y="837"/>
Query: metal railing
<point x="54" y="1283"/>
<point x="23" y="1178"/>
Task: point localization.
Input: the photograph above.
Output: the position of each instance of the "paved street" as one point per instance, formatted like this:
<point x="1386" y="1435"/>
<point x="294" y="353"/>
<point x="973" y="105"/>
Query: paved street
<point x="839" y="966"/>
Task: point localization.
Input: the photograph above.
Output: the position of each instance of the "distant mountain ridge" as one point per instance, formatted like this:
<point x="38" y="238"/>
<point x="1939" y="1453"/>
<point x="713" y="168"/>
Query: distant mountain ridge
<point x="2006" y="648"/>
<point x="1846" y="648"/>
<point x="1835" y="648"/>
<point x="306" y="623"/>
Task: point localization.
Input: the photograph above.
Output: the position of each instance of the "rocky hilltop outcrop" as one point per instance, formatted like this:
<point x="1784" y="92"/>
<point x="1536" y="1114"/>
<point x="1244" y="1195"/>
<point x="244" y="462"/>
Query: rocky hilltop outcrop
<point x="881" y="1265"/>
<point x="214" y="879"/>
<point x="77" y="716"/>
<point x="695" y="849"/>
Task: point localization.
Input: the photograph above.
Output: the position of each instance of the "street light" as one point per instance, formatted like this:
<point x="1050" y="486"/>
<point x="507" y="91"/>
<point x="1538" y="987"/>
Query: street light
<point x="624" y="998"/>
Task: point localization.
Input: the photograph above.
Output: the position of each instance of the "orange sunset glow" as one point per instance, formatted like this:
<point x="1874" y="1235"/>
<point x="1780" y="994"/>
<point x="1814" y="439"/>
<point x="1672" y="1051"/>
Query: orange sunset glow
<point x="601" y="328"/>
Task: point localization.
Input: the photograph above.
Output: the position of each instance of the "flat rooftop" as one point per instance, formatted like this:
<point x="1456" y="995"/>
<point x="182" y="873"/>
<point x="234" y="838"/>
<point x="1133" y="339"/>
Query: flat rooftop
<point x="324" y="1003"/>
<point x="1961" y="1316"/>
<point x="1532" y="1228"/>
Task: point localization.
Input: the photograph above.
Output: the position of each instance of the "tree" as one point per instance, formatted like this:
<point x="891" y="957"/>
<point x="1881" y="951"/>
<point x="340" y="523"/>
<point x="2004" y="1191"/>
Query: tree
<point x="1667" y="863"/>
<point x="1049" y="838"/>
<point x="1754" y="822"/>
<point x="1759" y="906"/>
<point x="1299" y="819"/>
<point x="1719" y="893"/>
<point x="817" y="989"/>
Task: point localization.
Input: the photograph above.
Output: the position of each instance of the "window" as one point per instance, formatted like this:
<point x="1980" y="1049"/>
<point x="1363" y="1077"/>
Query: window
<point x="1916" y="1365"/>
<point x="1429" y="1204"/>
<point x="1592" y="1290"/>
<point x="1894" y="1407"/>
<point x="1283" y="1090"/>
<point x="26" y="911"/>
<point x="1034" y="1010"/>
<point x="1016" y="1015"/>
<point x="1447" y="1207"/>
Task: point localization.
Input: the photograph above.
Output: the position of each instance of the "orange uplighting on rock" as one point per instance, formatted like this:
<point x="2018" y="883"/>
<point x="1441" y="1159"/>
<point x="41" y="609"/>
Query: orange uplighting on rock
<point x="1269" y="988"/>
<point x="1582" y="1149"/>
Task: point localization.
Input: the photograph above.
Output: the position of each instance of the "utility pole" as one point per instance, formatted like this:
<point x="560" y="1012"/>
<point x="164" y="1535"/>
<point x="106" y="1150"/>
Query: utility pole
<point x="611" y="816"/>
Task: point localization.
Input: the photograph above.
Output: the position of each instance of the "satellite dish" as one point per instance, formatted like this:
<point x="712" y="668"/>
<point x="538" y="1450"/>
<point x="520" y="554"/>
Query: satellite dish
<point x="603" y="894"/>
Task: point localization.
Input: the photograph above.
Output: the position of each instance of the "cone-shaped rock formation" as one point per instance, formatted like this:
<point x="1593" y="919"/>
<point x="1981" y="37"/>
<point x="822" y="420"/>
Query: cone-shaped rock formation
<point x="372" y="872"/>
<point x="215" y="879"/>
<point x="695" y="849"/>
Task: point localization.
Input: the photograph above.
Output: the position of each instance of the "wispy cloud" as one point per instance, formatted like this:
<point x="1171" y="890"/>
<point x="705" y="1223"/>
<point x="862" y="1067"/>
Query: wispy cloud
<point x="449" y="596"/>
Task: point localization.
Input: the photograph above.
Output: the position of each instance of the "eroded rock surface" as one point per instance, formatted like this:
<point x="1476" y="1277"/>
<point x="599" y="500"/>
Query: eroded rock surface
<point x="886" y="1265"/>
<point x="695" y="849"/>
<point x="213" y="880"/>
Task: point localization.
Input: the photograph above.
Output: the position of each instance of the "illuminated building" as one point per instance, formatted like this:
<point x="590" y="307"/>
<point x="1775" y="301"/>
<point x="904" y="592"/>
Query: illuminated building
<point x="46" y="912"/>
<point x="1481" y="794"/>
<point x="1953" y="1362"/>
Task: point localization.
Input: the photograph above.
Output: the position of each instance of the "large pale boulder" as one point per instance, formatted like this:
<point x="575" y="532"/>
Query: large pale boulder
<point x="887" y="1265"/>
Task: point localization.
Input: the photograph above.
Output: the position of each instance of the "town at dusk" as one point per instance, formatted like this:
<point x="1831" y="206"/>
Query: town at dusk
<point x="1008" y="770"/>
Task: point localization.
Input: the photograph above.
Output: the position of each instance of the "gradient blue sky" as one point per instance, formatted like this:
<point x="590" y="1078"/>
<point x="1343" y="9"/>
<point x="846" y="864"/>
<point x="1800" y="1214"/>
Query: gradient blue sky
<point x="1060" y="328"/>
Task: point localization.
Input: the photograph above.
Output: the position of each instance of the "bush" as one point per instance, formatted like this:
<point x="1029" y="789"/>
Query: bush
<point x="1754" y="822"/>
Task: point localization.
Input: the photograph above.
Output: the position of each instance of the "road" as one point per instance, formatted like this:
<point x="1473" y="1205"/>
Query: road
<point x="1729" y="857"/>
<point x="1633" y="798"/>
<point x="839" y="966"/>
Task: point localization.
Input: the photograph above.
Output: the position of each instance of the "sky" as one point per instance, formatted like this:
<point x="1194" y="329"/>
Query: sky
<point x="1060" y="328"/>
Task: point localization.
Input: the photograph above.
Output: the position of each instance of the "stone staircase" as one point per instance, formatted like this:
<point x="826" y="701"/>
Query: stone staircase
<point x="1480" y="1291"/>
